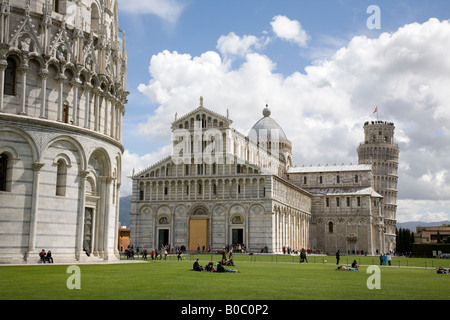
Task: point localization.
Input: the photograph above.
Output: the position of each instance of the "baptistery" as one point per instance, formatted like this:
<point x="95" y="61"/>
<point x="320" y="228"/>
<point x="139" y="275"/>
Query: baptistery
<point x="63" y="73"/>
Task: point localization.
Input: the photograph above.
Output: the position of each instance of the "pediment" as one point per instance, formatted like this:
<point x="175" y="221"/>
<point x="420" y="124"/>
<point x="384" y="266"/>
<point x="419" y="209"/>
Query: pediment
<point x="208" y="118"/>
<point x="25" y="37"/>
<point x="147" y="173"/>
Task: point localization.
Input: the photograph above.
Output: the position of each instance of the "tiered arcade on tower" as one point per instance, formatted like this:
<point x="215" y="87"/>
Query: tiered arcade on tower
<point x="380" y="150"/>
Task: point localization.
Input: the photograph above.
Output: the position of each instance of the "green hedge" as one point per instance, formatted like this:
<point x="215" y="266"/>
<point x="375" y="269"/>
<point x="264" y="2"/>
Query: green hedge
<point x="426" y="250"/>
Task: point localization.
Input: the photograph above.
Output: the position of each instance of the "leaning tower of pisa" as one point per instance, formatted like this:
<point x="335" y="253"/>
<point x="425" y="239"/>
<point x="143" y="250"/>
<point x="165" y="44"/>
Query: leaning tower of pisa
<point x="380" y="150"/>
<point x="63" y="79"/>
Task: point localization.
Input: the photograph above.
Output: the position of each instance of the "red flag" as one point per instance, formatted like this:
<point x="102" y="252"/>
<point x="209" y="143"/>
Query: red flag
<point x="376" y="110"/>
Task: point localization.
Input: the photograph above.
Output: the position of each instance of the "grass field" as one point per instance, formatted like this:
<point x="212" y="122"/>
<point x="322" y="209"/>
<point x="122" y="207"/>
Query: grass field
<point x="268" y="278"/>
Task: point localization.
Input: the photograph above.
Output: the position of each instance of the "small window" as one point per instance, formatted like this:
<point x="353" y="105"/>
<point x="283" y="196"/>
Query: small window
<point x="165" y="191"/>
<point x="338" y="179"/>
<point x="356" y="178"/>
<point x="3" y="171"/>
<point x="330" y="227"/>
<point x="141" y="191"/>
<point x="327" y="201"/>
<point x="214" y="189"/>
<point x="358" y="199"/>
<point x="10" y="78"/>
<point x="61" y="178"/>
<point x="305" y="180"/>
<point x="337" y="202"/>
<point x="348" y="201"/>
<point x="65" y="115"/>
<point x="320" y="180"/>
<point x="56" y="6"/>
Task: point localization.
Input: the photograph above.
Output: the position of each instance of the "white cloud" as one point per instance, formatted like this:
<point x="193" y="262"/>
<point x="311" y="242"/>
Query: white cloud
<point x="322" y="111"/>
<point x="234" y="45"/>
<point x="423" y="210"/>
<point x="169" y="10"/>
<point x="290" y="30"/>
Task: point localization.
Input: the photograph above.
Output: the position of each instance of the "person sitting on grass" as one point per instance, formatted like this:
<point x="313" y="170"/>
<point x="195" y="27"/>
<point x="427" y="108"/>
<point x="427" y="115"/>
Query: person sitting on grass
<point x="197" y="266"/>
<point x="210" y="267"/>
<point x="354" y="265"/>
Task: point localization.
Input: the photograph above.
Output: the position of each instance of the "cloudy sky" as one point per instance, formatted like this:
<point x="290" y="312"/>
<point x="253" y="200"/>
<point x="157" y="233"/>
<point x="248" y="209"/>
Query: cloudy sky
<point x="322" y="66"/>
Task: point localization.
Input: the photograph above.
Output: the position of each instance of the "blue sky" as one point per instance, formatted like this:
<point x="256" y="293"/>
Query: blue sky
<point x="318" y="66"/>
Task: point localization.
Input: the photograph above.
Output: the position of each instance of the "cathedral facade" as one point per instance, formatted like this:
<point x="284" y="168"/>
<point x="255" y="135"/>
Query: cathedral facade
<point x="220" y="187"/>
<point x="63" y="74"/>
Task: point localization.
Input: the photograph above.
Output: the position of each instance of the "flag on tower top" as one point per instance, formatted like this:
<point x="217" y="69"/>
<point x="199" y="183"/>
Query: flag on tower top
<point x="376" y="110"/>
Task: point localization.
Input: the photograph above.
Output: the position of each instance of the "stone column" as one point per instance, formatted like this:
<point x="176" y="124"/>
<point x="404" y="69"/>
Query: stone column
<point x="97" y="109"/>
<point x="116" y="222"/>
<point x="3" y="66"/>
<point x="44" y="76"/>
<point x="5" y="17"/>
<point x="87" y="113"/>
<point x="24" y="69"/>
<point x="76" y="85"/>
<point x="105" y="131"/>
<point x="37" y="166"/>
<point x="112" y="131"/>
<point x="81" y="214"/>
<point x="109" y="225"/>
<point x="61" y="79"/>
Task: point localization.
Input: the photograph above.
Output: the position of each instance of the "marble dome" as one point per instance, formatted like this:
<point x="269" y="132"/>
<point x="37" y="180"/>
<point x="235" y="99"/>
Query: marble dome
<point x="266" y="126"/>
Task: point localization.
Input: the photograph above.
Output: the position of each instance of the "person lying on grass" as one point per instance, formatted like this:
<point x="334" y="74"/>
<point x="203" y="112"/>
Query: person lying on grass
<point x="344" y="268"/>
<point x="220" y="268"/>
<point x="441" y="270"/>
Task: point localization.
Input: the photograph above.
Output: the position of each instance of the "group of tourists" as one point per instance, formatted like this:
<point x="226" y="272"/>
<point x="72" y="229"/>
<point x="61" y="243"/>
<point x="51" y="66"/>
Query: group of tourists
<point x="220" y="267"/>
<point x="155" y="254"/>
<point x="46" y="256"/>
<point x="385" y="257"/>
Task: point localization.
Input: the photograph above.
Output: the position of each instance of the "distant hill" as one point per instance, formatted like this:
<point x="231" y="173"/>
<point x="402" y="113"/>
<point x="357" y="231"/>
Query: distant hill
<point x="125" y="209"/>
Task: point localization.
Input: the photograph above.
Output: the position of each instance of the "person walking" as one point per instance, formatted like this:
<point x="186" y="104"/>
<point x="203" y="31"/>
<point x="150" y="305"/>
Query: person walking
<point x="338" y="256"/>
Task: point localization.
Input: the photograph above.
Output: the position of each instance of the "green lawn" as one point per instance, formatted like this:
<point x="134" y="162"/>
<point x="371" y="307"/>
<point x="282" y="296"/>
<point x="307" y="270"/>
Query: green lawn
<point x="257" y="280"/>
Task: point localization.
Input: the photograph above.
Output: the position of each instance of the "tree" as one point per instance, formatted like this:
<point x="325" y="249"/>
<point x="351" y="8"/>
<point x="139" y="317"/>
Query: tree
<point x="405" y="240"/>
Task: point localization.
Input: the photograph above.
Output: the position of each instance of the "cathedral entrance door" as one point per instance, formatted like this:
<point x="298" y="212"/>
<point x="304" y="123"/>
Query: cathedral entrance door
<point x="198" y="233"/>
<point x="352" y="246"/>
<point x="237" y="236"/>
<point x="163" y="238"/>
